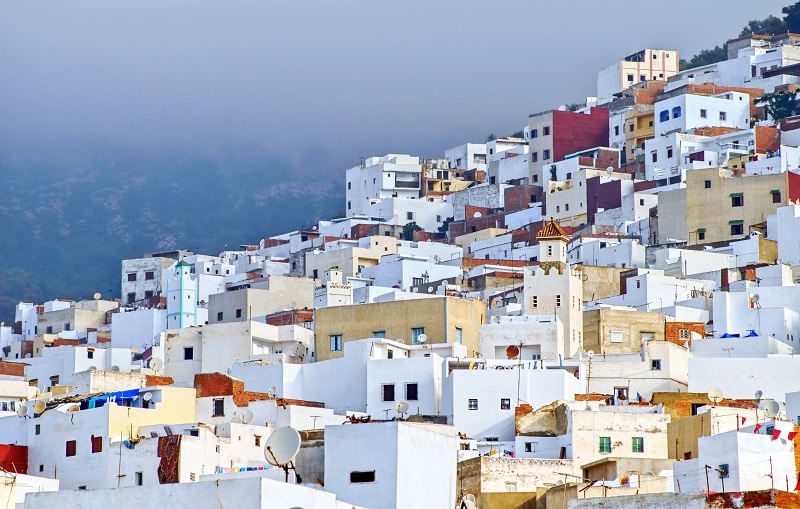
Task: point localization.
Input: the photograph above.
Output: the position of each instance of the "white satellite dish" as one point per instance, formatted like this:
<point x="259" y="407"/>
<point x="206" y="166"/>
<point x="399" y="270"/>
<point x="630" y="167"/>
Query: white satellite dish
<point x="771" y="408"/>
<point x="92" y="368"/>
<point x="298" y="349"/>
<point x="728" y="173"/>
<point x="22" y="410"/>
<point x="422" y="338"/>
<point x="97" y="296"/>
<point x="246" y="416"/>
<point x="39" y="407"/>
<point x="755" y="298"/>
<point x="147" y="396"/>
<point x="282" y="446"/>
<point x="273" y="391"/>
<point x="590" y="353"/>
<point x="401" y="341"/>
<point x="156" y="364"/>
<point x="114" y="368"/>
<point x="610" y="170"/>
<point x="477" y="215"/>
<point x="759" y="394"/>
<point x="715" y="394"/>
<point x="401" y="406"/>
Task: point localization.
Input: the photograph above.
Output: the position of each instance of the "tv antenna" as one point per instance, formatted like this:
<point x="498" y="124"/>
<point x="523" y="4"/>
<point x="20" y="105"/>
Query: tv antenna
<point x="401" y="407"/>
<point x="715" y="395"/>
<point x="281" y="448"/>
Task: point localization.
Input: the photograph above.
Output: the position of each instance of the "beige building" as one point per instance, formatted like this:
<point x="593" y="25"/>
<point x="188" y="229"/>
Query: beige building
<point x="682" y="434"/>
<point x="349" y="255"/>
<point x="283" y="293"/>
<point x="441" y="319"/>
<point x="644" y="65"/>
<point x="720" y="207"/>
<point x="568" y="202"/>
<point x="610" y="331"/>
<point x="78" y="317"/>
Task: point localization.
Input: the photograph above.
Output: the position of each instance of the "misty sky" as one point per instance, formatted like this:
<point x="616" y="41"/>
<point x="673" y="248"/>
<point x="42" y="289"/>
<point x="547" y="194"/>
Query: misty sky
<point x="322" y="81"/>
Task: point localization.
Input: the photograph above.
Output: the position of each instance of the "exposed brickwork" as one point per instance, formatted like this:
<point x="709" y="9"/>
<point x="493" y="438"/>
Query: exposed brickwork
<point x="519" y="197"/>
<point x="66" y="342"/>
<point x="672" y="331"/>
<point x="423" y="236"/>
<point x="573" y="132"/>
<point x="273" y="242"/>
<point x="152" y="380"/>
<point x="764" y="498"/>
<point x="12" y="368"/>
<point x="210" y="385"/>
<point x="290" y="317"/>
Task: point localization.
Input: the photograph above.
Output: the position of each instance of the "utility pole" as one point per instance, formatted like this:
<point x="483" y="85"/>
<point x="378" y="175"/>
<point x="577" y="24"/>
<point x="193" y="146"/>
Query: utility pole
<point x="708" y="488"/>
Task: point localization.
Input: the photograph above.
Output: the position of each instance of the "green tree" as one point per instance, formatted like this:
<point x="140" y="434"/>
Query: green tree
<point x="409" y="229"/>
<point x="770" y="25"/>
<point x="518" y="134"/>
<point x="445" y="225"/>
<point x="491" y="137"/>
<point x="791" y="17"/>
<point x="553" y="172"/>
<point x="705" y="57"/>
<point x="779" y="105"/>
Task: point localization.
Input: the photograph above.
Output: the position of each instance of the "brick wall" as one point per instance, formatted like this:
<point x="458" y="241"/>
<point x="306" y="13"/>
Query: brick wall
<point x="672" y="331"/>
<point x="573" y="132"/>
<point x="152" y="380"/>
<point x="210" y="385"/>
<point x="519" y="197"/>
<point x="12" y="368"/>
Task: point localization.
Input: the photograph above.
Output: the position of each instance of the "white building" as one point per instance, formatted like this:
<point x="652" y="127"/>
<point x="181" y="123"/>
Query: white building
<point x="141" y="278"/>
<point x="392" y="175"/>
<point x="690" y="111"/>
<point x="470" y="156"/>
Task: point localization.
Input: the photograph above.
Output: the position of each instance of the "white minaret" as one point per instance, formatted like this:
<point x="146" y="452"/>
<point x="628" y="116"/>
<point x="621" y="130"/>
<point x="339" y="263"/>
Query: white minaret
<point x="181" y="290"/>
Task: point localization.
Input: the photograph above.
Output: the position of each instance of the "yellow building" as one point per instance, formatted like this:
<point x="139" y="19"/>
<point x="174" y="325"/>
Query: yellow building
<point x="441" y="319"/>
<point x="349" y="255"/>
<point x="721" y="206"/>
<point x="639" y="127"/>
<point x="610" y="331"/>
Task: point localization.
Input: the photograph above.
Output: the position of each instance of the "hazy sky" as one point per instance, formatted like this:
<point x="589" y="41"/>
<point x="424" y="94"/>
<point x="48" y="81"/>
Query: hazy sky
<point x="323" y="81"/>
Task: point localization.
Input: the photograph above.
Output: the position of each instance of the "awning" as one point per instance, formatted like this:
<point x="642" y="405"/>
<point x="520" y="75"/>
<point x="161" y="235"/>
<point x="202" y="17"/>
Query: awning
<point x="775" y="191"/>
<point x="736" y="221"/>
<point x="701" y="230"/>
<point x="736" y="194"/>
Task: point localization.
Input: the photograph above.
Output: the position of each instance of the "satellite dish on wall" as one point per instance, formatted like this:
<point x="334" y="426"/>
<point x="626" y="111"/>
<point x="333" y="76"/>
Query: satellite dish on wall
<point x="590" y="354"/>
<point x="512" y="351"/>
<point x="156" y="364"/>
<point x="92" y="368"/>
<point x="610" y="170"/>
<point x="298" y="349"/>
<point x="114" y="368"/>
<point x="246" y="416"/>
<point x="273" y="391"/>
<point x="759" y="394"/>
<point x="715" y="394"/>
<point x="401" y="406"/>
<point x="422" y="338"/>
<point x="282" y="446"/>
<point x="477" y="215"/>
<point x="22" y="410"/>
<point x="97" y="296"/>
<point x="147" y="396"/>
<point x="771" y="408"/>
<point x="39" y="407"/>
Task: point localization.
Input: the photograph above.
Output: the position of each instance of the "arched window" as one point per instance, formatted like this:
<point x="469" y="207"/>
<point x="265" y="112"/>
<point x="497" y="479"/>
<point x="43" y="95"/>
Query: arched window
<point x="663" y="116"/>
<point x="676" y="112"/>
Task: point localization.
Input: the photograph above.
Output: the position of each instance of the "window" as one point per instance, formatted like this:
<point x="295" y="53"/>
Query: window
<point x="630" y="128"/>
<point x="569" y="175"/>
<point x="703" y="113"/>
<point x="132" y="276"/>
<point x="459" y="335"/>
<point x="776" y="196"/>
<point x="534" y="133"/>
<point x="148" y="294"/>
<point x="723" y="115"/>
<point x="643" y="77"/>
<point x="219" y="316"/>
<point x="663" y="116"/>
<point x="683" y="333"/>
<point x="531" y="446"/>
<point x="90" y="353"/>
<point x="379" y="334"/>
<point x="412" y="391"/>
<point x="534" y="157"/>
<point x="336" y="343"/>
<point x="41" y="468"/>
<point x="655" y="364"/>
<point x="737" y="200"/>
<point x="71" y="448"/>
<point x="535" y="301"/>
<point x="238" y="313"/>
<point x="472" y="404"/>
<point x="362" y="477"/>
<point x="605" y="444"/>
<point x="737" y="228"/>
<point x="416" y="332"/>
<point x="505" y="404"/>
<point x="348" y="185"/>
<point x="708" y="184"/>
<point x="616" y="336"/>
<point x="54" y="380"/>
<point x="701" y="234"/>
<point x="669" y="152"/>
<point x="637" y="444"/>
<point x="38" y="429"/>
<point x="724" y="471"/>
<point x="131" y="298"/>
<point x="219" y="407"/>
<point x="616" y="130"/>
<point x="409" y="215"/>
<point x="49" y="329"/>
<point x="139" y="478"/>
<point x="546" y="154"/>
<point x="149" y="276"/>
<point x="654" y="155"/>
<point x="511" y="487"/>
<point x="546" y="131"/>
<point x="97" y="444"/>
<point x="387" y="392"/>
<point x="648" y="336"/>
<point x="257" y="440"/>
<point x="349" y="205"/>
<point x="630" y="78"/>
<point x="676" y="112"/>
<point x="566" y="207"/>
<point x="188" y="353"/>
<point x="558" y="301"/>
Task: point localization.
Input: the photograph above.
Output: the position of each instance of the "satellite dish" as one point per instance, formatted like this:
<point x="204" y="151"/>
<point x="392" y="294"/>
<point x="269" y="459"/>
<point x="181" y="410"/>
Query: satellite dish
<point x="728" y="173"/>
<point x="273" y="391"/>
<point x="246" y="416"/>
<point x="298" y="349"/>
<point x="610" y="170"/>
<point x="401" y="341"/>
<point x="147" y="396"/>
<point x="401" y="406"/>
<point x="715" y="395"/>
<point x="114" y="368"/>
<point x="759" y="394"/>
<point x="512" y="351"/>
<point x="92" y="368"/>
<point x="22" y="410"/>
<point x="422" y="338"/>
<point x="477" y="214"/>
<point x="755" y="298"/>
<point x="282" y="446"/>
<point x="590" y="353"/>
<point x="771" y="408"/>
<point x="39" y="407"/>
<point x="156" y="364"/>
<point x="97" y="296"/>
